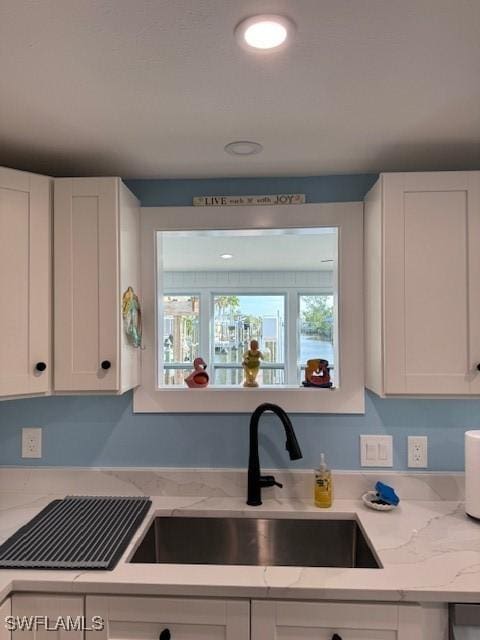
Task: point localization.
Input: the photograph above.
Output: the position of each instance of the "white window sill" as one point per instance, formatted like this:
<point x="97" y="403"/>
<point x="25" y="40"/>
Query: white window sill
<point x="239" y="387"/>
<point x="214" y="399"/>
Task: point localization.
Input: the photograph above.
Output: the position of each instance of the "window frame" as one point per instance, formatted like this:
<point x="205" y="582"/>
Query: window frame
<point x="347" y="397"/>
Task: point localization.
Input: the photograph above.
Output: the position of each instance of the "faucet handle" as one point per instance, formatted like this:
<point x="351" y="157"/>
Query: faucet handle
<point x="269" y="481"/>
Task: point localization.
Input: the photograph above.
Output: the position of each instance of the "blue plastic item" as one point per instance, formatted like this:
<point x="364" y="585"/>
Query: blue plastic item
<point x="387" y="494"/>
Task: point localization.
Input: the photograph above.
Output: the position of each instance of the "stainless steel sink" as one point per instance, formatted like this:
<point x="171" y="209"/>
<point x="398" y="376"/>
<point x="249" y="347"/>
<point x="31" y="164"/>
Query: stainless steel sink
<point x="256" y="541"/>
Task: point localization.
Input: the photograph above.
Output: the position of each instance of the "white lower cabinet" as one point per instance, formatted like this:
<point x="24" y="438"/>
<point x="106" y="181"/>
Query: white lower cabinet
<point x="131" y="618"/>
<point x="160" y="618"/>
<point x="5" y="611"/>
<point x="45" y="616"/>
<point x="280" y="620"/>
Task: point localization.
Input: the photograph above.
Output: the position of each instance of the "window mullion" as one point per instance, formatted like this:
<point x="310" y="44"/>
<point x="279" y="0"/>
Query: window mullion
<point x="291" y="330"/>
<point x="205" y="351"/>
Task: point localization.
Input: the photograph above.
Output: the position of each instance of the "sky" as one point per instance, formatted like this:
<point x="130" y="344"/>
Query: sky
<point x="262" y="305"/>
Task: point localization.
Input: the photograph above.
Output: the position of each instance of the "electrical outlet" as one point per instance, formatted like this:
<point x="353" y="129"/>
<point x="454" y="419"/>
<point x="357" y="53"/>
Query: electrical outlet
<point x="32" y="442"/>
<point x="418" y="451"/>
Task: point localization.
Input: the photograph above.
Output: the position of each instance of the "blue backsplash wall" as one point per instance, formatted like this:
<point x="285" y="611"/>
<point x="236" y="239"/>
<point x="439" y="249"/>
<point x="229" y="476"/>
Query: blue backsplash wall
<point x="102" y="431"/>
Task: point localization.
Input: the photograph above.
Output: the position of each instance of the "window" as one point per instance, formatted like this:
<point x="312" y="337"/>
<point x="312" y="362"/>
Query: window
<point x="238" y="319"/>
<point x="317" y="324"/>
<point x="255" y="294"/>
<point x="216" y="278"/>
<point x="180" y="336"/>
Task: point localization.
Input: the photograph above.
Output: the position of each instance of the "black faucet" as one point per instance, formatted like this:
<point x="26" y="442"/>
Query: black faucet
<point x="255" y="480"/>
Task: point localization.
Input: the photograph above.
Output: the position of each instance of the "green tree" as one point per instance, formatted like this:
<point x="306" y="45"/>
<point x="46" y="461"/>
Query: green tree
<point x="255" y="323"/>
<point x="317" y="317"/>
<point x="227" y="305"/>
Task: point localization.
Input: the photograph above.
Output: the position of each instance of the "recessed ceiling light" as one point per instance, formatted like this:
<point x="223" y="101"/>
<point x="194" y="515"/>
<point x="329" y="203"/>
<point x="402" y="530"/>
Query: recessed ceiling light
<point x="226" y="256"/>
<point x="243" y="148"/>
<point x="264" y="32"/>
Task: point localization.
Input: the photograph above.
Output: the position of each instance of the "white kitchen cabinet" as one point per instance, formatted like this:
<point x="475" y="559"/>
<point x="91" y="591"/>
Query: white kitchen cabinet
<point x="5" y="611"/>
<point x="422" y="274"/>
<point x="25" y="282"/>
<point x="280" y="620"/>
<point x="53" y="613"/>
<point x="161" y="618"/>
<point x="165" y="618"/>
<point x="96" y="258"/>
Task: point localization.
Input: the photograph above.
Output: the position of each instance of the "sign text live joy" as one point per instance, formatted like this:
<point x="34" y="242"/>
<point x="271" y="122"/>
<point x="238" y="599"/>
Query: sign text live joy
<point x="235" y="201"/>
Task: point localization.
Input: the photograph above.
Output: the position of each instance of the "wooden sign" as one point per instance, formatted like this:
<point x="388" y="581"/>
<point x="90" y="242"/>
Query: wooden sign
<point x="256" y="201"/>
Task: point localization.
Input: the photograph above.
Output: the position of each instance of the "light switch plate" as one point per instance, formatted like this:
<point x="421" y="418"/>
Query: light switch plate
<point x="32" y="442"/>
<point x="376" y="451"/>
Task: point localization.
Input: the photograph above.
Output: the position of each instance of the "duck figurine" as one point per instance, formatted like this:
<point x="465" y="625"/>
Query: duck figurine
<point x="199" y="378"/>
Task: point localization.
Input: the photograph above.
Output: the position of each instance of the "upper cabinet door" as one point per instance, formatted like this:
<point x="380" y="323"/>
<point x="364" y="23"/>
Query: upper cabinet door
<point x="422" y="284"/>
<point x="87" y="298"/>
<point x="428" y="241"/>
<point x="473" y="247"/>
<point x="25" y="282"/>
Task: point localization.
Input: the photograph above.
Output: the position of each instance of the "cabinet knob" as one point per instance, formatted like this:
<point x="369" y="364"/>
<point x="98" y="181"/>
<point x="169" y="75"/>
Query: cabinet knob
<point x="40" y="366"/>
<point x="106" y="364"/>
<point x="165" y="635"/>
<point x="478" y="366"/>
<point x="336" y="637"/>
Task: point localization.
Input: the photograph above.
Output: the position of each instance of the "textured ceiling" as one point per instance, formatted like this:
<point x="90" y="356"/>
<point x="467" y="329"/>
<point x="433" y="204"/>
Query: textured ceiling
<point x="155" y="88"/>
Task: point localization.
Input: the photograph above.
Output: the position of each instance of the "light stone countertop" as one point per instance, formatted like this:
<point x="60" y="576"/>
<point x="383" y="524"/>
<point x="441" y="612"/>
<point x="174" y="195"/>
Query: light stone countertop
<point x="430" y="551"/>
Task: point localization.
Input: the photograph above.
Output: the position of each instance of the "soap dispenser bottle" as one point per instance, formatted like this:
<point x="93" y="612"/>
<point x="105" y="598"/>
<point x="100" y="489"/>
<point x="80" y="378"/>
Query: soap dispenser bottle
<point x="323" y="484"/>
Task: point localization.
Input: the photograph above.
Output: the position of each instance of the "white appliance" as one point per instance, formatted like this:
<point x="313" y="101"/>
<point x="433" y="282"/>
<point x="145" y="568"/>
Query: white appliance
<point x="472" y="473"/>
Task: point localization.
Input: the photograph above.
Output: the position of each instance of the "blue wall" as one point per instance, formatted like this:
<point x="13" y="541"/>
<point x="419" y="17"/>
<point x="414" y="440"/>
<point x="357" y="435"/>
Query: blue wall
<point x="102" y="431"/>
<point x="176" y="193"/>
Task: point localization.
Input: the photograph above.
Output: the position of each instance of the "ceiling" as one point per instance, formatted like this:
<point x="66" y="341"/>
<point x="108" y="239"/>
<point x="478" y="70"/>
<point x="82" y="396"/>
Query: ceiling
<point x="156" y="88"/>
<point x="276" y="250"/>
